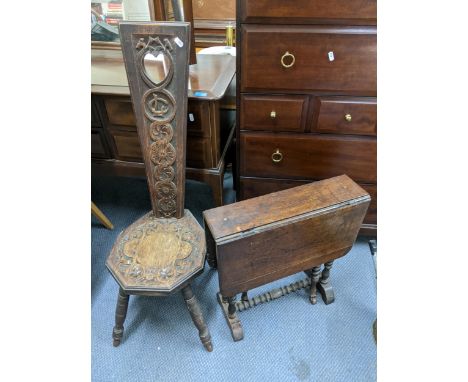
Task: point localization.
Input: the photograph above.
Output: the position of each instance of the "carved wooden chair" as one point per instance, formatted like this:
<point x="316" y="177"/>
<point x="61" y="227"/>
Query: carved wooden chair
<point x="164" y="250"/>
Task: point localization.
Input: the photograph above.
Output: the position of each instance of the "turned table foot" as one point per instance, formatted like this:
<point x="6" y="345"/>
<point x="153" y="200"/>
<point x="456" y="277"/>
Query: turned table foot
<point x="314" y="279"/>
<point x="228" y="305"/>
<point x="324" y="286"/>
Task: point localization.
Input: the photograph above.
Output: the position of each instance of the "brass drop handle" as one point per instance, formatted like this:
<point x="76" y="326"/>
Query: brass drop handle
<point x="293" y="60"/>
<point x="273" y="114"/>
<point x="277" y="157"/>
<point x="348" y="117"/>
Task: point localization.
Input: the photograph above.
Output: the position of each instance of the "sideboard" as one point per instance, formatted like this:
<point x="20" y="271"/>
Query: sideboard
<point x="115" y="148"/>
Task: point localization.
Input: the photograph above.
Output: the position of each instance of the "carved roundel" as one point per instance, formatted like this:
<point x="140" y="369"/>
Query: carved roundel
<point x="161" y="132"/>
<point x="164" y="173"/>
<point x="162" y="153"/>
<point x="165" y="189"/>
<point x="167" y="207"/>
<point x="159" y="106"/>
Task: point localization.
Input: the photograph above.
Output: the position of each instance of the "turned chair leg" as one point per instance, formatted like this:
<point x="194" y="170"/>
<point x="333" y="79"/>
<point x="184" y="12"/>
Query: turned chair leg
<point x="314" y="279"/>
<point x="197" y="317"/>
<point x="120" y="314"/>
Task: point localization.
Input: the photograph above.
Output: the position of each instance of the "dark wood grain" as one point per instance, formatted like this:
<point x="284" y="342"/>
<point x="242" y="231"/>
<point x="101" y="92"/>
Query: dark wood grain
<point x="135" y="168"/>
<point x="146" y="256"/>
<point x="95" y="118"/>
<point x="252" y="187"/>
<point x="211" y="75"/>
<point x="289" y="113"/>
<point x="308" y="156"/>
<point x="167" y="196"/>
<point x="248" y="214"/>
<point x="126" y="145"/>
<point x="266" y="238"/>
<point x="119" y="111"/>
<point x="353" y="70"/>
<point x="98" y="146"/>
<point x="120" y="315"/>
<point x="345" y="115"/>
<point x="203" y="131"/>
<point x="197" y="317"/>
<point x="329" y="143"/>
<point x="351" y="12"/>
<point x="198" y="119"/>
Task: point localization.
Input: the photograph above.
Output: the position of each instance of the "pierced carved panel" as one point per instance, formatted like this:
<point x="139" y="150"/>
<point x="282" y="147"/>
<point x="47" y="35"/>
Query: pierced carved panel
<point x="156" y="59"/>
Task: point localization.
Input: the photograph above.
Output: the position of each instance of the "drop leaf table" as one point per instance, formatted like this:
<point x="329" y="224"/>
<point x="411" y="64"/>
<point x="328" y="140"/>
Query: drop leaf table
<point x="263" y="239"/>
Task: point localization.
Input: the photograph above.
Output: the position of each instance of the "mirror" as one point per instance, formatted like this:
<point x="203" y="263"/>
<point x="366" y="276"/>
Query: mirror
<point x="157" y="66"/>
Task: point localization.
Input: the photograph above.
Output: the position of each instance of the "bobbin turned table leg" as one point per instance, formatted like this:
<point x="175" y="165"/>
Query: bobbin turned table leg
<point x="197" y="317"/>
<point x="228" y="304"/>
<point x="120" y="314"/>
<point x="324" y="286"/>
<point x="314" y="279"/>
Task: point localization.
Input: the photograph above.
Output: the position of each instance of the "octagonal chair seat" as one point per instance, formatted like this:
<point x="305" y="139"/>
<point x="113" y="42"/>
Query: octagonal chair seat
<point x="156" y="256"/>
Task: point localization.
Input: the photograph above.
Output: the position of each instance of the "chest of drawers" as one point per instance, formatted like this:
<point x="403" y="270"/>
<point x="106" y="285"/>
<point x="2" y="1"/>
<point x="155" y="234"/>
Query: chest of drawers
<point x="306" y="93"/>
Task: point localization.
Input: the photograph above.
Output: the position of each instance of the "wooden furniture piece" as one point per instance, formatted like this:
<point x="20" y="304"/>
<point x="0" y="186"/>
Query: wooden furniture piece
<point x="183" y="11"/>
<point x="165" y="249"/>
<point x="256" y="241"/>
<point x="306" y="95"/>
<point x="210" y="19"/>
<point x="101" y="217"/>
<point x="115" y="148"/>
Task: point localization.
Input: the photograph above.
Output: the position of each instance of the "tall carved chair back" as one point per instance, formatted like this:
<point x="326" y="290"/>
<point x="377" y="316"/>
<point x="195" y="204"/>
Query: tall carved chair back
<point x="157" y="69"/>
<point x="165" y="249"/>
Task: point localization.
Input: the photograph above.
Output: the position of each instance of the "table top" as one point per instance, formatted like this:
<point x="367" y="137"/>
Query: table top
<point x="254" y="213"/>
<point x="209" y="78"/>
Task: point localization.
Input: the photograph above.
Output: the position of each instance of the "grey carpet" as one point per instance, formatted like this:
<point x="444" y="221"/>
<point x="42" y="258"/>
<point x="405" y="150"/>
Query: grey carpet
<point x="285" y="340"/>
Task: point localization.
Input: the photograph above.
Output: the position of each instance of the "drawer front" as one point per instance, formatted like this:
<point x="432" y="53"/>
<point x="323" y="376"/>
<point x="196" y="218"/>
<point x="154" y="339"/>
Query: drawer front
<point x="273" y="113"/>
<point x="126" y="145"/>
<point x="321" y="59"/>
<point x="281" y="11"/>
<point x="253" y="187"/>
<point x="308" y="156"/>
<point x="345" y="115"/>
<point x="198" y="118"/>
<point x="98" y="146"/>
<point x="199" y="153"/>
<point x="120" y="111"/>
<point x="95" y="119"/>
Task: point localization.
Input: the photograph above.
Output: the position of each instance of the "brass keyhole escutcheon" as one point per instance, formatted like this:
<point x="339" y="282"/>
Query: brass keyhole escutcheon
<point x="277" y="157"/>
<point x="273" y="114"/>
<point x="348" y="117"/>
<point x="288" y="57"/>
